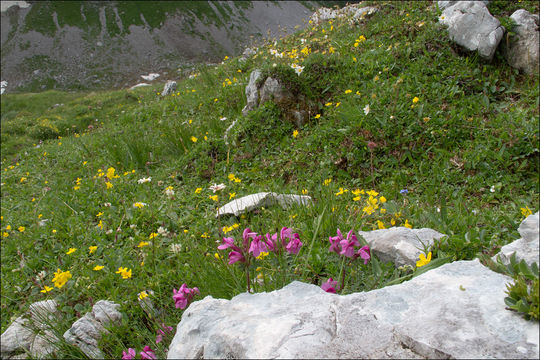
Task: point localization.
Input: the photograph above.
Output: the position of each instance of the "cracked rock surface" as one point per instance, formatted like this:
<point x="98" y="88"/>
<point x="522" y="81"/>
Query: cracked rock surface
<point x="454" y="311"/>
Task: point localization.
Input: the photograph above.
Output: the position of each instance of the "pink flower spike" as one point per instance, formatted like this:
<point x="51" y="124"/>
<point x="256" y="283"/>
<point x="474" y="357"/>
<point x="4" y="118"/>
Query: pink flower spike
<point x="271" y="242"/>
<point x="246" y="236"/>
<point x="159" y="339"/>
<point x="227" y="243"/>
<point x="347" y="248"/>
<point x="351" y="236"/>
<point x="329" y="286"/>
<point x="285" y="233"/>
<point x="235" y="256"/>
<point x="334" y="244"/>
<point x="129" y="355"/>
<point x="294" y="245"/>
<point x="257" y="246"/>
<point x="147" y="353"/>
<point x="364" y="253"/>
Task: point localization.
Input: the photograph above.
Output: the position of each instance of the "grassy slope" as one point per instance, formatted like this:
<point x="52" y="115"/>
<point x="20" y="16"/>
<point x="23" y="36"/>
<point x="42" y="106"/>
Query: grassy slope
<point x="467" y="152"/>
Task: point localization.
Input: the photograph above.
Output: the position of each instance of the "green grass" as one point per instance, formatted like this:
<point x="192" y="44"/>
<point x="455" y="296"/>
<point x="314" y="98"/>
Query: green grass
<point x="467" y="151"/>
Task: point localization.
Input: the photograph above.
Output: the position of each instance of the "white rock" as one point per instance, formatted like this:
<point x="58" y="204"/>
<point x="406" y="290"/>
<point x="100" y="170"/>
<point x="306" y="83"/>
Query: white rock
<point x="527" y="248"/>
<point x="86" y="332"/>
<point x="521" y="49"/>
<point x="471" y="25"/>
<point x="17" y="336"/>
<point x="445" y="4"/>
<point x="254" y="201"/>
<point x="150" y="77"/>
<point x="3" y="86"/>
<point x="138" y="85"/>
<point x="363" y="12"/>
<point x="169" y="88"/>
<point x="400" y="245"/>
<point x="252" y="92"/>
<point x="454" y="311"/>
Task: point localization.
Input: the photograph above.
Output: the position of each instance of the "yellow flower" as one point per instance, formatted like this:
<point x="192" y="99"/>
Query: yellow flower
<point x="327" y="181"/>
<point x="382" y="199"/>
<point x="354" y="59"/>
<point x="92" y="249"/>
<point x="380" y="224"/>
<point x="295" y="133"/>
<point x="341" y="191"/>
<point x="143" y="243"/>
<point x="423" y="260"/>
<point x="337" y="104"/>
<point x="383" y="211"/>
<point x="139" y="205"/>
<point x="109" y="184"/>
<point x="46" y="289"/>
<point x="328" y="104"/>
<point x="8" y="227"/>
<point x="372" y="193"/>
<point x="99" y="214"/>
<point x="194" y="139"/>
<point x="98" y="267"/>
<point x="213" y="197"/>
<point x="262" y="255"/>
<point x="231" y="177"/>
<point x="100" y="225"/>
<point x="54" y="231"/>
<point x="142" y="295"/>
<point x="393" y="222"/>
<point x="217" y="256"/>
<point x="415" y="100"/>
<point x="5" y="234"/>
<point x="198" y="190"/>
<point x="231" y="195"/>
<point x="407" y="225"/>
<point x="71" y="251"/>
<point x="23" y="179"/>
<point x="61" y="278"/>
<point x="21" y="228"/>
<point x="111" y="173"/>
<point x="304" y="192"/>
<point x="348" y="91"/>
<point x="317" y="116"/>
<point x="526" y="211"/>
<point x="124" y="272"/>
<point x="368" y="210"/>
<point x="204" y="235"/>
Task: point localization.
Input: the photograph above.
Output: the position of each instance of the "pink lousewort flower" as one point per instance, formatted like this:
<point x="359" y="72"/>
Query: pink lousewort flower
<point x="228" y="243"/>
<point x="335" y="242"/>
<point x="329" y="286"/>
<point x="364" y="253"/>
<point x="246" y="236"/>
<point x="184" y="295"/>
<point x="148" y="353"/>
<point x="294" y="245"/>
<point x="257" y="246"/>
<point x="163" y="331"/>
<point x="129" y="355"/>
<point x="347" y="246"/>
<point x="235" y="256"/>
<point x="271" y="242"/>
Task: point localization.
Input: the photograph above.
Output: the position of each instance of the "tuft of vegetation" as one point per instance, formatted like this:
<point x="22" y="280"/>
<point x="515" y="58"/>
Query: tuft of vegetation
<point x="404" y="131"/>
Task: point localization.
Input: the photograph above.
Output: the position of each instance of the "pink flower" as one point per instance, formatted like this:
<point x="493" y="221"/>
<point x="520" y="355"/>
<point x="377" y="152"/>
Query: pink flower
<point x="163" y="332"/>
<point x="228" y="243"/>
<point x="271" y="242"/>
<point x="235" y="256"/>
<point x="347" y="246"/>
<point x="257" y="246"/>
<point x="183" y="296"/>
<point x="294" y="245"/>
<point x="334" y="242"/>
<point x="285" y="233"/>
<point x="129" y="355"/>
<point x="147" y="353"/>
<point x="329" y="286"/>
<point x="246" y="236"/>
<point x="364" y="253"/>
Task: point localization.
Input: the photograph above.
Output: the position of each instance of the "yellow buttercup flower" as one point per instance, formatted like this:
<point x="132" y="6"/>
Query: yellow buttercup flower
<point x="415" y="100"/>
<point x="92" y="249"/>
<point x="98" y="267"/>
<point x="423" y="260"/>
<point x="46" y="289"/>
<point x="295" y="133"/>
<point x="61" y="278"/>
<point x="143" y="243"/>
<point x="71" y="251"/>
<point x="526" y="211"/>
<point x="407" y="225"/>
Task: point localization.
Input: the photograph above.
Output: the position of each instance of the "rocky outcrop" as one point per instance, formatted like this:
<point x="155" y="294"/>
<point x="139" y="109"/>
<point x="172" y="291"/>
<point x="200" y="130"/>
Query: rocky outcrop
<point x="169" y="88"/>
<point x="521" y="47"/>
<point x="445" y="4"/>
<point x="31" y="333"/>
<point x="258" y="200"/>
<point x="252" y="92"/>
<point x="87" y="331"/>
<point x="526" y="248"/>
<point x="400" y="245"/>
<point x="471" y="26"/>
<point x="355" y="11"/>
<point x="454" y="311"/>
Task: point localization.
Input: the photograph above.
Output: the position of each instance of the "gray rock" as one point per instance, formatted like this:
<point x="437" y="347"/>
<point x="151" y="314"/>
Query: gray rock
<point x="471" y="26"/>
<point x="252" y="92"/>
<point x="521" y="50"/>
<point x="32" y="335"/>
<point x="400" y="245"/>
<point x="169" y="88"/>
<point x="454" y="311"/>
<point x="445" y="4"/>
<point x="273" y="90"/>
<point x="248" y="53"/>
<point x="258" y="200"/>
<point x="526" y="248"/>
<point x="364" y="12"/>
<point x="86" y="332"/>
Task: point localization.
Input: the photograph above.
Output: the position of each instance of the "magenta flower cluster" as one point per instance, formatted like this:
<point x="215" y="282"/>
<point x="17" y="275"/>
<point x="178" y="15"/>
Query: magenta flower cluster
<point x="255" y="244"/>
<point x="184" y="295"/>
<point x="147" y="353"/>
<point x="163" y="331"/>
<point x="345" y="246"/>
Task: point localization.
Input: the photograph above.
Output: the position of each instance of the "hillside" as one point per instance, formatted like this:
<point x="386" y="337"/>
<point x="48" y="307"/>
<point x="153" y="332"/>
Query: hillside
<point x="77" y="45"/>
<point x="113" y="194"/>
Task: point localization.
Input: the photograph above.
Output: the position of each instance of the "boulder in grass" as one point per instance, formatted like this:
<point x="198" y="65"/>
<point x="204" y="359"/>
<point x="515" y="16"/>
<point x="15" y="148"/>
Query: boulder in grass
<point x="454" y="311"/>
<point x="521" y="49"/>
<point x="252" y="92"/>
<point x="262" y="199"/>
<point x="471" y="26"/>
<point x="169" y="88"/>
<point x="526" y="248"/>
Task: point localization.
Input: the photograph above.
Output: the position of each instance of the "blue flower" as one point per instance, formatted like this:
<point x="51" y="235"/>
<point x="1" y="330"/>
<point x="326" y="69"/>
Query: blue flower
<point x="404" y="191"/>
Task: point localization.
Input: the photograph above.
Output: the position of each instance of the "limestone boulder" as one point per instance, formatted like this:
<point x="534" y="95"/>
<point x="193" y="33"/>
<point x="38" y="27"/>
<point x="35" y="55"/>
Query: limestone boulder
<point x="526" y="248"/>
<point x="522" y="47"/>
<point x="169" y="88"/>
<point x="445" y="4"/>
<point x="252" y="92"/>
<point x="454" y="311"/>
<point x="400" y="245"/>
<point x="88" y="330"/>
<point x="254" y="201"/>
<point x="471" y="26"/>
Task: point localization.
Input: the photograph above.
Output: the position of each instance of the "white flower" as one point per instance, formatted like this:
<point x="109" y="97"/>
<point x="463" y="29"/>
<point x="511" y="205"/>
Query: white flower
<point x="169" y="192"/>
<point x="43" y="222"/>
<point x="107" y="204"/>
<point x="108" y="232"/>
<point x="162" y="231"/>
<point x="215" y="187"/>
<point x="391" y="117"/>
<point x="176" y="248"/>
<point x="274" y="65"/>
<point x="144" y="180"/>
<point x="223" y="118"/>
<point x="438" y="210"/>
<point x="366" y="109"/>
<point x="492" y="189"/>
<point x="303" y="41"/>
<point x="297" y="68"/>
<point x="474" y="212"/>
<point x="133" y="226"/>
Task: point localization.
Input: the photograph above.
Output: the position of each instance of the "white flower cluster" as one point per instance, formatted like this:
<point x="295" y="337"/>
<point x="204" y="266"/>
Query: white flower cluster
<point x="144" y="180"/>
<point x="297" y="68"/>
<point x="219" y="187"/>
<point x="276" y="53"/>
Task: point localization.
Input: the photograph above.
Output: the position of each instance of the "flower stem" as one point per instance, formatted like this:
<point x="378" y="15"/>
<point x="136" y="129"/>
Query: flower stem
<point x="342" y="275"/>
